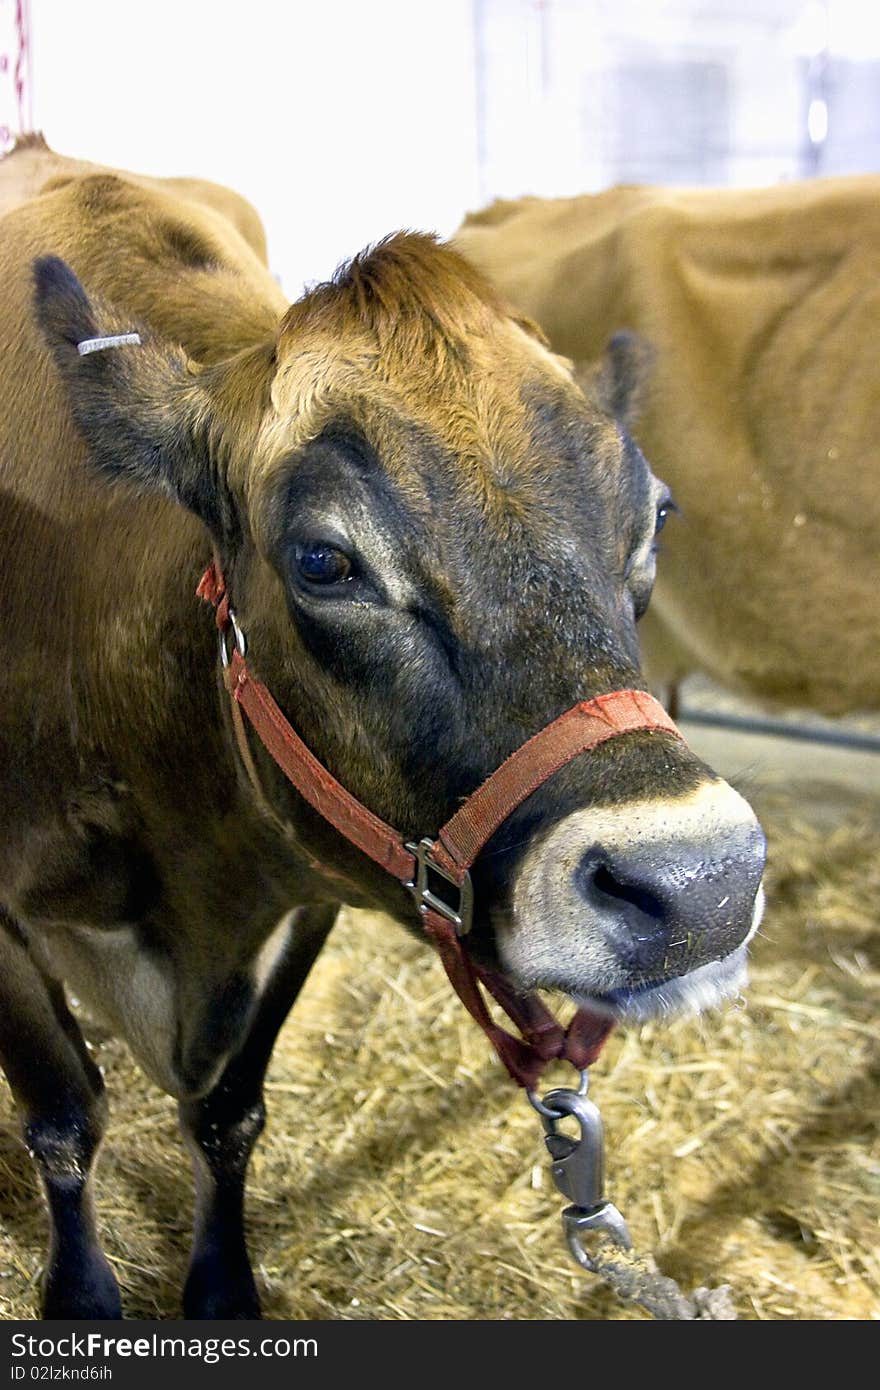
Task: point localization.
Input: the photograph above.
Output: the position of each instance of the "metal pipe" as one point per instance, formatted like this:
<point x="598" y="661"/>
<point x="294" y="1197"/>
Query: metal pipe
<point x="778" y="728"/>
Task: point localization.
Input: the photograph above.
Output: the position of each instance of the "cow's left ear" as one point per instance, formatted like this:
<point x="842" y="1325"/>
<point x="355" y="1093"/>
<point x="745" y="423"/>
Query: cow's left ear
<point x="619" y="383"/>
<point x="144" y="409"/>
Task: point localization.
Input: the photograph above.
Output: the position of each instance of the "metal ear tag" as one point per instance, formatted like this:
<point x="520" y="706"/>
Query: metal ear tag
<point x="114" y="340"/>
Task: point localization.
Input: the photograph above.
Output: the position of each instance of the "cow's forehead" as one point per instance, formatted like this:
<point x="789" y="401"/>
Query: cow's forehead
<point x="493" y="412"/>
<point x="408" y="339"/>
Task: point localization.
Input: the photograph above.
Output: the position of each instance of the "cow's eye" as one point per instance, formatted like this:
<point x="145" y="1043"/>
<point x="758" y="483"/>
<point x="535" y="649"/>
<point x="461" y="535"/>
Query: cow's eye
<point x="321" y="563"/>
<point x="663" y="512"/>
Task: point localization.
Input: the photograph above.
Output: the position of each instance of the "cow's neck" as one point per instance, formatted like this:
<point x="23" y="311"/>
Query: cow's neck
<point x="118" y="893"/>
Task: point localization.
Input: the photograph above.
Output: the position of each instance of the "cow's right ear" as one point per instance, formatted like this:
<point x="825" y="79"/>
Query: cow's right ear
<point x="142" y="407"/>
<point x="620" y="381"/>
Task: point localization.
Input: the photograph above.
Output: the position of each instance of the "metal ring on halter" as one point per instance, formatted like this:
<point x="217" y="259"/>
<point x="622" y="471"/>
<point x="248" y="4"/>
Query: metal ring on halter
<point x="546" y="1111"/>
<point x="240" y="641"/>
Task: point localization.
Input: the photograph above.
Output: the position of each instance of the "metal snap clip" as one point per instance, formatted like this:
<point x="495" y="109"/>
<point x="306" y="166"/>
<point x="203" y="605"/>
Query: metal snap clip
<point x="578" y="1170"/>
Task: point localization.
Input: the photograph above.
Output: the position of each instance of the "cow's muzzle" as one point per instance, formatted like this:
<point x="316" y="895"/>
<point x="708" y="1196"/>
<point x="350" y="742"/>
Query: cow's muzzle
<point x="641" y="908"/>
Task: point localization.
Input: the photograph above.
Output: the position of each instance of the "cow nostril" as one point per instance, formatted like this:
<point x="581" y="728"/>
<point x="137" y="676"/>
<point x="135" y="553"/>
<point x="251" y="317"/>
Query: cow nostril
<point x="606" y="885"/>
<point x="635" y="920"/>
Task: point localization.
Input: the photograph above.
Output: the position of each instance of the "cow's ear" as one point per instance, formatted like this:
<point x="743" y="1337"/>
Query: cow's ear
<point x="620" y="382"/>
<point x="143" y="408"/>
<point x="530" y="326"/>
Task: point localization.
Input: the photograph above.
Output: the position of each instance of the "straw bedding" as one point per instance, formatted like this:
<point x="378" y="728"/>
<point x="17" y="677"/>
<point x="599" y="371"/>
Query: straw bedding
<point x="402" y="1177"/>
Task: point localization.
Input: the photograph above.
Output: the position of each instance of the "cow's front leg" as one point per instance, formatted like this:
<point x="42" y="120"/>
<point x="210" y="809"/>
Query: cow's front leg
<point x="222" y="1128"/>
<point x="60" y="1095"/>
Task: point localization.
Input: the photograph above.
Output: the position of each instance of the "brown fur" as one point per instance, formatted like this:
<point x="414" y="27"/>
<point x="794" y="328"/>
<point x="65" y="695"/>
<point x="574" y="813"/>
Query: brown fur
<point x="427" y="329"/>
<point x="764" y="413"/>
<point x="35" y="167"/>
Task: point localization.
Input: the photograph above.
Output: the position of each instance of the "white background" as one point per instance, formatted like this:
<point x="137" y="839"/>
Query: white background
<point x="341" y="120"/>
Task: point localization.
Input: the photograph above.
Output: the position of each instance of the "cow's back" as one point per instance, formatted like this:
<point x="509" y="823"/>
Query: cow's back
<point x="35" y="165"/>
<point x="764" y="412"/>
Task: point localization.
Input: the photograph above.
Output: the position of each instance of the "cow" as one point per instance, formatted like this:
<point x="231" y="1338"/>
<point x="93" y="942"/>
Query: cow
<point x="434" y="542"/>
<point x="760" y="309"/>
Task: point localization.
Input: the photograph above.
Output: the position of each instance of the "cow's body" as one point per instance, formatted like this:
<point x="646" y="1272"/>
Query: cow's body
<point x="763" y="308"/>
<point x="381" y="472"/>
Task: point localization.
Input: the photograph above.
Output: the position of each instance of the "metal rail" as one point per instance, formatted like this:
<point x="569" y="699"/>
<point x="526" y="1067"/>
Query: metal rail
<point x="778" y="728"/>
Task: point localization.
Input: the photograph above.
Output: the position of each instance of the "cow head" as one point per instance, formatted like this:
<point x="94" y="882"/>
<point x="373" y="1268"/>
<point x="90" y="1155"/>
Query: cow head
<point x="437" y="543"/>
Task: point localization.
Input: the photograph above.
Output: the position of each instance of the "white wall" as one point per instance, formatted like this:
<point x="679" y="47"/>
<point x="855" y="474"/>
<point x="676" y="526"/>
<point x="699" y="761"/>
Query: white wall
<point x="341" y="120"/>
<point x="579" y="94"/>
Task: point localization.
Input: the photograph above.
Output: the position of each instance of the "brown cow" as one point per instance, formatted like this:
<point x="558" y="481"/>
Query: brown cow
<point x="763" y="308"/>
<point x="435" y="545"/>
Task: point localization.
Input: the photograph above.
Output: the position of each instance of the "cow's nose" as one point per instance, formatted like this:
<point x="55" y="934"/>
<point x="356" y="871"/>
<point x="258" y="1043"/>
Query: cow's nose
<point x="667" y="907"/>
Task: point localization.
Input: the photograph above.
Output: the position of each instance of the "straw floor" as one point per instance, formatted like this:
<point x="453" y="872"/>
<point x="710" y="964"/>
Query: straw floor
<point x="402" y="1177"/>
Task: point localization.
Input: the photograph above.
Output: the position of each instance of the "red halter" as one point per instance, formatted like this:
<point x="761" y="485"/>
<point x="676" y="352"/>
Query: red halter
<point x="451" y="855"/>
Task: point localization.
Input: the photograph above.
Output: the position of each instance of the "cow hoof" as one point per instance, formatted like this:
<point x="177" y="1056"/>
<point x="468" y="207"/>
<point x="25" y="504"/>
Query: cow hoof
<point x="209" y="1295"/>
<point x="86" y="1291"/>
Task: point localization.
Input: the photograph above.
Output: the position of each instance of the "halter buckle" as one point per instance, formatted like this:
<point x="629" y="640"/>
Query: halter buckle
<point x="460" y="914"/>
